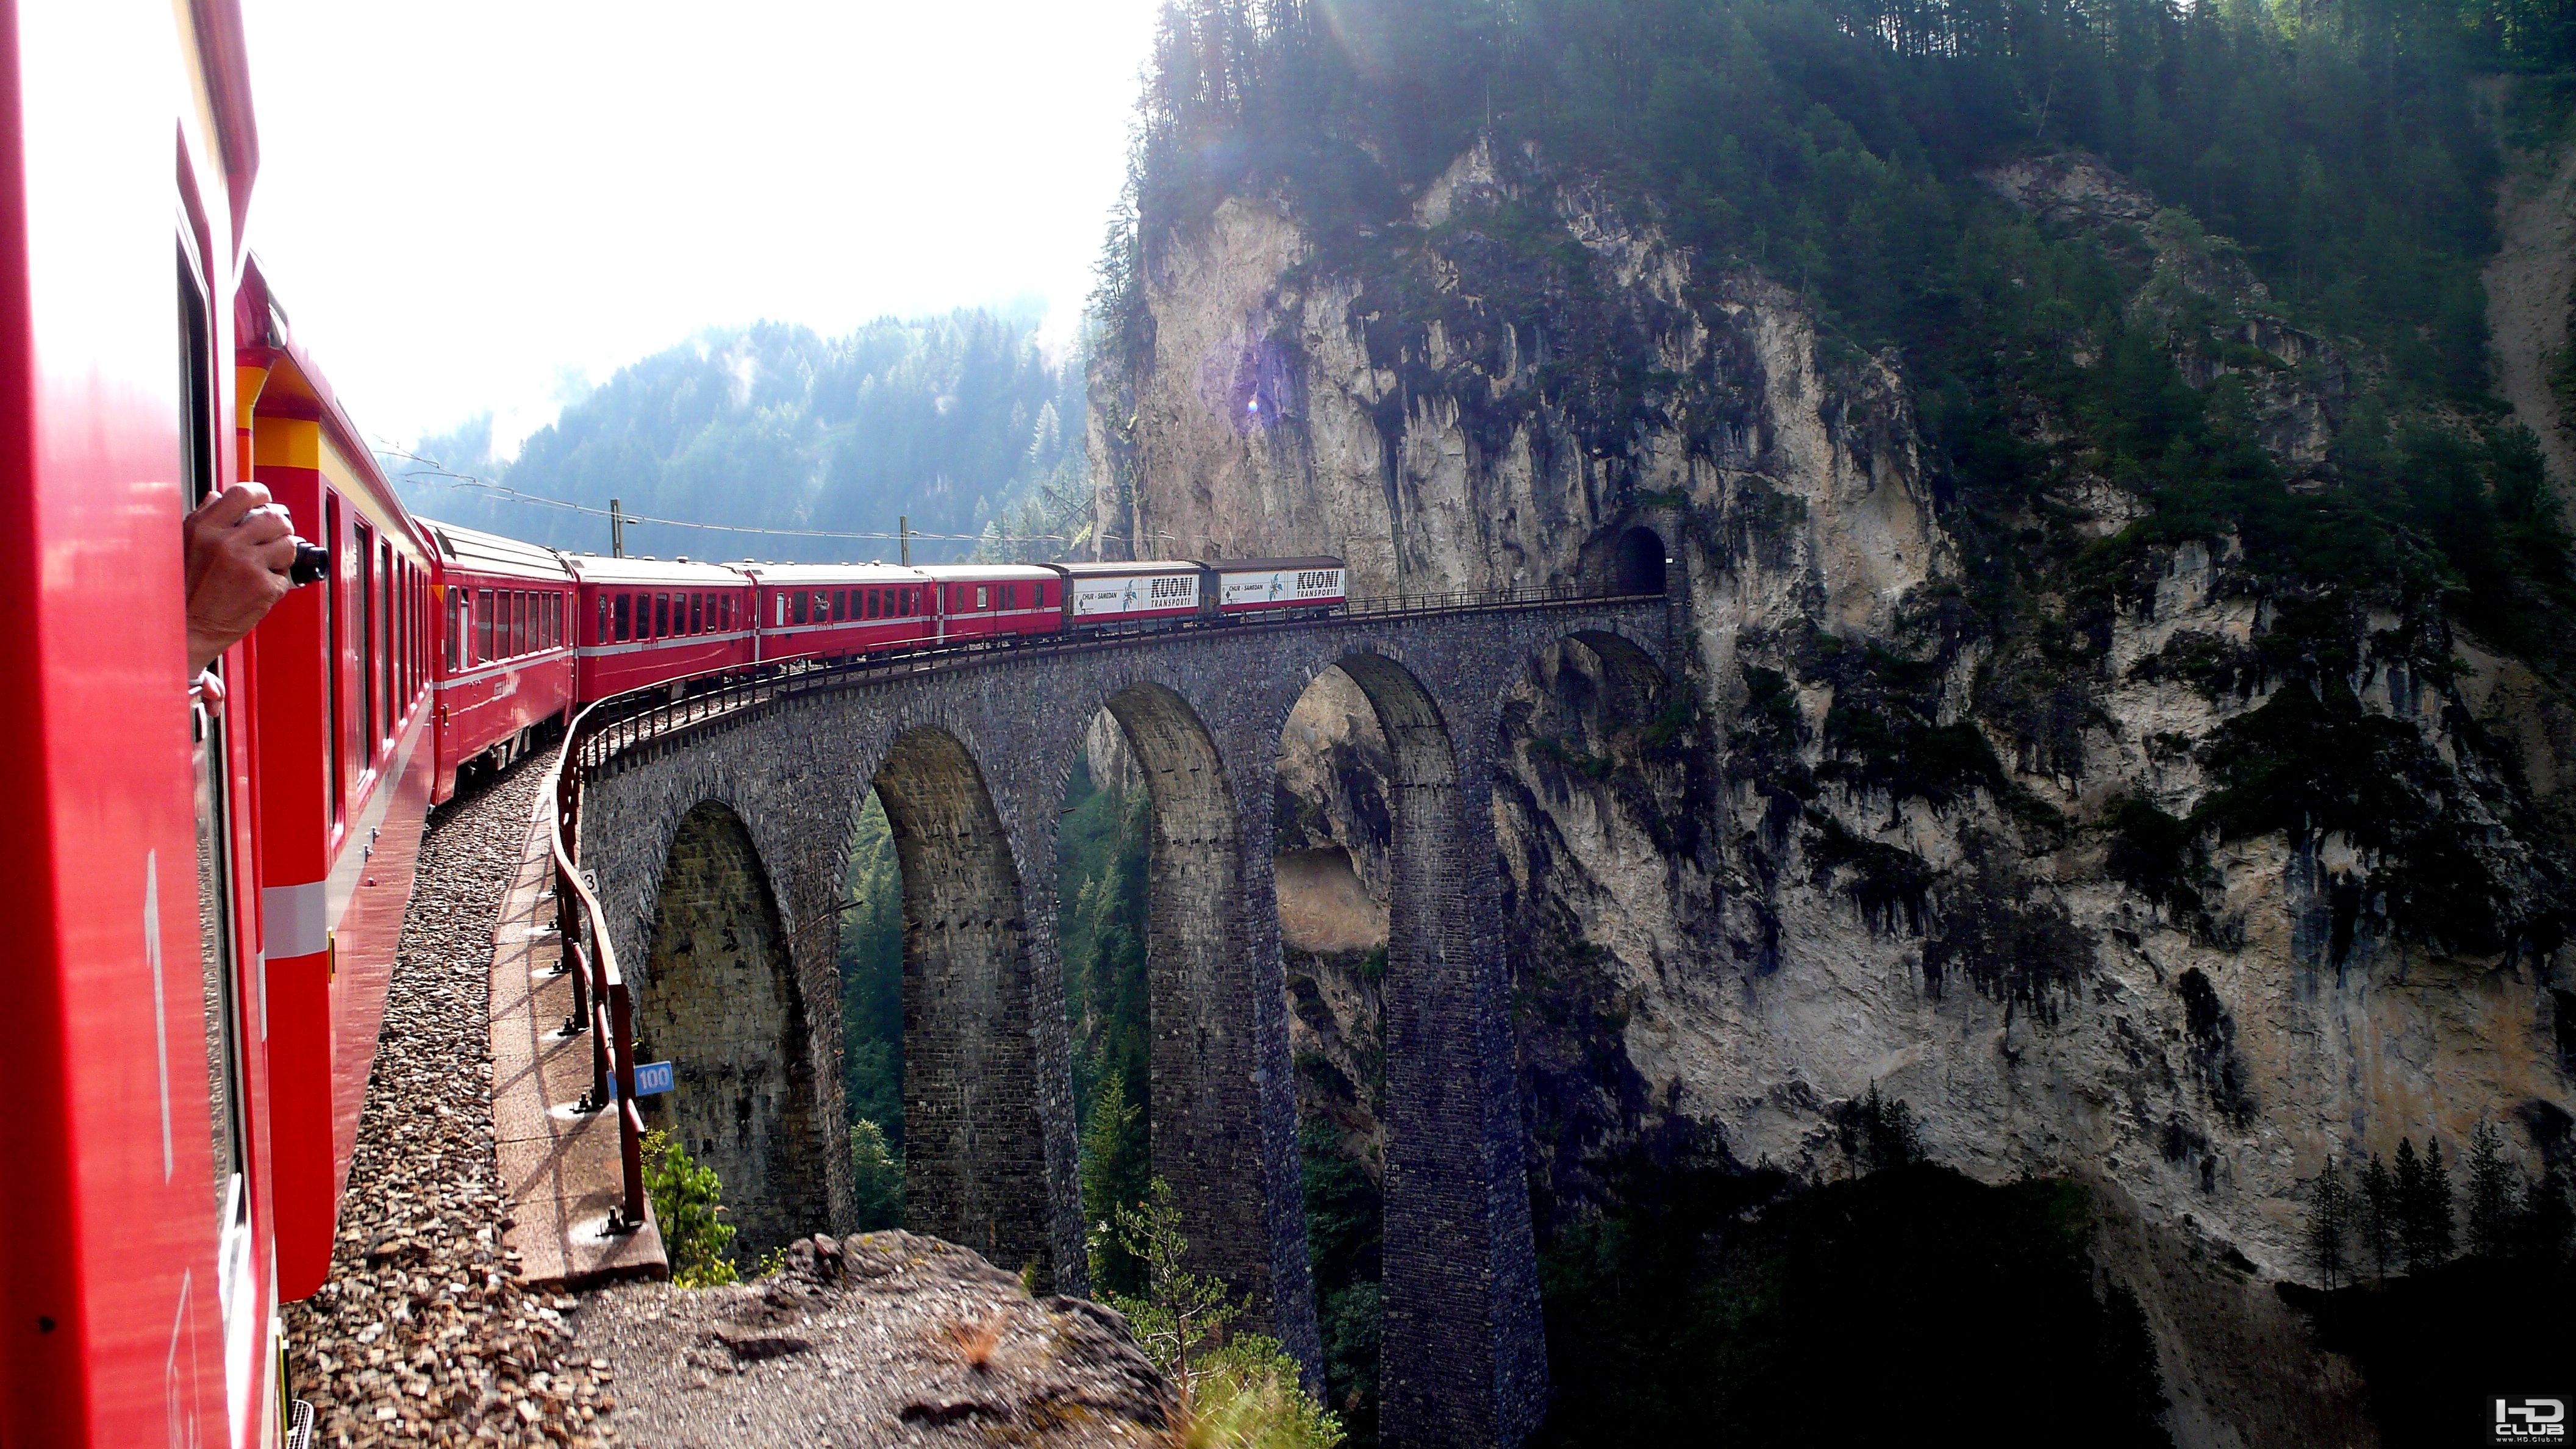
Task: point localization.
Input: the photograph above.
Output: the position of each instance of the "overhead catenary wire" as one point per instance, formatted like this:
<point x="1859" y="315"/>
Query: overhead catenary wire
<point x="432" y="471"/>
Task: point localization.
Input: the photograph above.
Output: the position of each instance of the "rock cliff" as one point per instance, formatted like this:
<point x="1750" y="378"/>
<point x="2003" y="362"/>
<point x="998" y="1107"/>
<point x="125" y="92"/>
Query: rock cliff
<point x="2085" y="876"/>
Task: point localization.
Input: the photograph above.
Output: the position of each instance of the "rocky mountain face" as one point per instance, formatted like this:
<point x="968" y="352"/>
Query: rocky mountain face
<point x="2091" y="884"/>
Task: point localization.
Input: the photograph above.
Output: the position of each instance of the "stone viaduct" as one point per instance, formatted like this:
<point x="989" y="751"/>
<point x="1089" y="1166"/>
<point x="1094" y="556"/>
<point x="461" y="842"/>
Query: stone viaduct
<point x="719" y="848"/>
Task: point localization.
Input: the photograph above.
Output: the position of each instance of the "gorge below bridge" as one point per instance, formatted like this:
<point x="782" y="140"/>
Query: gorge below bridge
<point x="719" y="839"/>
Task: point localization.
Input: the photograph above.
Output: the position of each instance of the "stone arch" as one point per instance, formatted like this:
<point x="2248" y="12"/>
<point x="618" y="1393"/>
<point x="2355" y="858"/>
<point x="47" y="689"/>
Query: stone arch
<point x="1626" y="668"/>
<point x="975" y="1168"/>
<point x="1205" y="1117"/>
<point x="1462" y="1357"/>
<point x="719" y="998"/>
<point x="1637" y="562"/>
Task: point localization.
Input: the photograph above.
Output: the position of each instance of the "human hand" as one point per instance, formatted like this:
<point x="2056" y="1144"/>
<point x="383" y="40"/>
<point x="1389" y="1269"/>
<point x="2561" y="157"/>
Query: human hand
<point x="239" y="549"/>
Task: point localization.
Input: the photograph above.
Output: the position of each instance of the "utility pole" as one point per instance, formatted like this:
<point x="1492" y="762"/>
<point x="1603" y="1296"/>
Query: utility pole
<point x="903" y="533"/>
<point x="616" y="529"/>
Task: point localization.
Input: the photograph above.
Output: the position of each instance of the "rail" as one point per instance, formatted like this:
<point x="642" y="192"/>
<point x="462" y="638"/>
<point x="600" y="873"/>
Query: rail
<point x="601" y="1004"/>
<point x="604" y="730"/>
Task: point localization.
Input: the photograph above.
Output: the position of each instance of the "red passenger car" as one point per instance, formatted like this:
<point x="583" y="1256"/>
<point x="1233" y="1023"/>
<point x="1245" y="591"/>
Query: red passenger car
<point x="835" y="611"/>
<point x="996" y="601"/>
<point x="645" y="622"/>
<point x="505" y="656"/>
<point x="342" y="673"/>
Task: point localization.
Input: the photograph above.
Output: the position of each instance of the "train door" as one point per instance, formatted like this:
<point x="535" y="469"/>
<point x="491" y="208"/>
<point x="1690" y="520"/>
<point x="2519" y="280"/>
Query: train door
<point x="219" y="948"/>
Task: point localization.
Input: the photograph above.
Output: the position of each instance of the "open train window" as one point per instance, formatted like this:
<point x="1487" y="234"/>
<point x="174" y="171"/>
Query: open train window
<point x="218" y="962"/>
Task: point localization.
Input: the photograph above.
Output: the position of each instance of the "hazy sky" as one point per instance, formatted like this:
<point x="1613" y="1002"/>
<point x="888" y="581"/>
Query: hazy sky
<point x="459" y="201"/>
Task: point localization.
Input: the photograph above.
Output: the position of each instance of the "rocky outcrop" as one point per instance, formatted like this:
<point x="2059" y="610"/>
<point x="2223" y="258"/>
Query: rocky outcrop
<point x="2037" y="875"/>
<point x="880" y="1338"/>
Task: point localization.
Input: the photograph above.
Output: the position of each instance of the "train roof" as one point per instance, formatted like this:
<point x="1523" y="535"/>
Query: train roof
<point x="474" y="550"/>
<point x="1270" y="565"/>
<point x="1116" y="569"/>
<point x="973" y="573"/>
<point x="836" y="573"/>
<point x="294" y="387"/>
<point x="590" y="568"/>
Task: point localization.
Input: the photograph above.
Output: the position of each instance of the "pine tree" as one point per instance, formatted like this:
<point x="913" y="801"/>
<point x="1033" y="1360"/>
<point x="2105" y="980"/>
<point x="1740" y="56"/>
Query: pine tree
<point x="2329" y="1224"/>
<point x="2378" y="1215"/>
<point x="2548" y="1217"/>
<point x="2433" y="1217"/>
<point x="2495" y="1193"/>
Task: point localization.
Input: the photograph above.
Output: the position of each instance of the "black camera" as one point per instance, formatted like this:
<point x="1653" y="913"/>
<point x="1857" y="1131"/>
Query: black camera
<point x="312" y="564"/>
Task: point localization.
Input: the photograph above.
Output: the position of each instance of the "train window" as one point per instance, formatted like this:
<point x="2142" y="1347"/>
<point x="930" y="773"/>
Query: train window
<point x="601" y="636"/>
<point x="410" y="630"/>
<point x="840" y="606"/>
<point x="625" y="618"/>
<point x="483" y="626"/>
<point x="983" y="597"/>
<point x="385" y="667"/>
<point x="802" y="605"/>
<point x="366" y="643"/>
<point x="724" y="603"/>
<point x="697" y="613"/>
<point x="661" y="616"/>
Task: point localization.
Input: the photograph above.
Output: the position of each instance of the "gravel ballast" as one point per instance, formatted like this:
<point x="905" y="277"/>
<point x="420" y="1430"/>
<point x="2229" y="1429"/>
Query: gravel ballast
<point x="425" y="1333"/>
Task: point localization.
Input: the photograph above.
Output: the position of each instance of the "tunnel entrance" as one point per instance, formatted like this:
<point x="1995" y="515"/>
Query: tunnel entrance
<point x="1638" y="565"/>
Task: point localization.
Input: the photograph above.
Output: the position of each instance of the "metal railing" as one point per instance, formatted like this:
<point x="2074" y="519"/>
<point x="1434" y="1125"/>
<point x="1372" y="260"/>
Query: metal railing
<point x="601" y="1004"/>
<point x="609" y="728"/>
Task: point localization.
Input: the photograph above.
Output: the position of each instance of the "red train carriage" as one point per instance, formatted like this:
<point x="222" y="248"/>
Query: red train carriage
<point x="996" y="601"/>
<point x="133" y="1252"/>
<point x="833" y="611"/>
<point x="203" y="901"/>
<point x="1274" y="587"/>
<point x="1156" y="593"/>
<point x="643" y="622"/>
<point x="342" y="675"/>
<point x="504" y="658"/>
